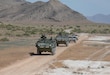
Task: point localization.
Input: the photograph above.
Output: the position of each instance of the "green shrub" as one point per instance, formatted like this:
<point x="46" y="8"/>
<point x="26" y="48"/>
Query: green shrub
<point x="8" y="34"/>
<point x="26" y="34"/>
<point x="94" y="31"/>
<point x="0" y="34"/>
<point x="4" y="39"/>
<point x="18" y="35"/>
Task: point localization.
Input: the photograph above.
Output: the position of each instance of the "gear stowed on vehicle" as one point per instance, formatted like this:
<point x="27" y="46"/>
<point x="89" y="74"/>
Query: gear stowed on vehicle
<point x="45" y="44"/>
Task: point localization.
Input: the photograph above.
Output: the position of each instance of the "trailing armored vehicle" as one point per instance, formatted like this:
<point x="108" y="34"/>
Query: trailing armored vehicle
<point x="62" y="38"/>
<point x="73" y="38"/>
<point x="45" y="44"/>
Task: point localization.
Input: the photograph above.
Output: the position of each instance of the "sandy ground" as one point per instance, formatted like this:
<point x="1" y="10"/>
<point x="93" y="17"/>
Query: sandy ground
<point x="31" y="65"/>
<point x="88" y="51"/>
<point x="83" y="59"/>
<point x="11" y="55"/>
<point x="34" y="64"/>
<point x="80" y="67"/>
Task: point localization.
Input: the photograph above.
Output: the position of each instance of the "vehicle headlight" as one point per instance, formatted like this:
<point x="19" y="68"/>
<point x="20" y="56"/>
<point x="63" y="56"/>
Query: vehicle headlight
<point x="38" y="44"/>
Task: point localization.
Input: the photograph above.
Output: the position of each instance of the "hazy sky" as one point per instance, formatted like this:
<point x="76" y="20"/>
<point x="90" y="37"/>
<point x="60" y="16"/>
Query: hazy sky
<point x="87" y="7"/>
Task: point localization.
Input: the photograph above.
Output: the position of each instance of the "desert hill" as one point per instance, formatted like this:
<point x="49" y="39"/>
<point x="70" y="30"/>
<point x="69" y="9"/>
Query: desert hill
<point x="100" y="18"/>
<point x="51" y="11"/>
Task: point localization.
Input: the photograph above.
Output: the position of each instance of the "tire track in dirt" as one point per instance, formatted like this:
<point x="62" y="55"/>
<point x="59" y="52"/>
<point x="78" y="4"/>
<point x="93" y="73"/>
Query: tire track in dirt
<point x="97" y="52"/>
<point x="34" y="64"/>
<point x="104" y="55"/>
<point x="31" y="65"/>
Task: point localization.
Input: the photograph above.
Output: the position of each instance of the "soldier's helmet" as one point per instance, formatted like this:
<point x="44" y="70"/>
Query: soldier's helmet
<point x="43" y="36"/>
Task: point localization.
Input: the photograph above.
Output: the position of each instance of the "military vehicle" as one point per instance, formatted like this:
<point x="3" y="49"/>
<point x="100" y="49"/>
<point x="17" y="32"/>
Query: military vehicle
<point x="62" y="38"/>
<point x="73" y="38"/>
<point x="46" y="45"/>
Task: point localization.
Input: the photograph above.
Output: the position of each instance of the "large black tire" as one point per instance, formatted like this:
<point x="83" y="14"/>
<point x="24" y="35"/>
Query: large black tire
<point x="38" y="52"/>
<point x="57" y="44"/>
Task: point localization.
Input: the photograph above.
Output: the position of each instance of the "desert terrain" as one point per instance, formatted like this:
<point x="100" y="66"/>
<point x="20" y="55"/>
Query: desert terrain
<point x="22" y="23"/>
<point x="87" y="50"/>
<point x="89" y="57"/>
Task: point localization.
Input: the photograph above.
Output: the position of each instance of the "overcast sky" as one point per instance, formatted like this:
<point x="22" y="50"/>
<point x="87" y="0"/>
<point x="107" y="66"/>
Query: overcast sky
<point x="87" y="7"/>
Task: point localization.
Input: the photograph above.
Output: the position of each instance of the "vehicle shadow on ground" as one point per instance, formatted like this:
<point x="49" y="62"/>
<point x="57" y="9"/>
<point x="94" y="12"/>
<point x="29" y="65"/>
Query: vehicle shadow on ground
<point x="35" y="54"/>
<point x="61" y="46"/>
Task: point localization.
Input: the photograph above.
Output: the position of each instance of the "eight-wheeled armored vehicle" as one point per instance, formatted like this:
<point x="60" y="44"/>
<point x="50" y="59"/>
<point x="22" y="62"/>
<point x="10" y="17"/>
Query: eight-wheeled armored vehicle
<point x="73" y="38"/>
<point x="45" y="44"/>
<point x="62" y="38"/>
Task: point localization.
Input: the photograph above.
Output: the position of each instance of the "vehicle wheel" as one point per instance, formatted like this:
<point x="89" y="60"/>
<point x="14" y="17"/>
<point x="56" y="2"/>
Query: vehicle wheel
<point x="38" y="52"/>
<point x="57" y="44"/>
<point x="53" y="51"/>
<point x="69" y="41"/>
<point x="74" y="41"/>
<point x="66" y="43"/>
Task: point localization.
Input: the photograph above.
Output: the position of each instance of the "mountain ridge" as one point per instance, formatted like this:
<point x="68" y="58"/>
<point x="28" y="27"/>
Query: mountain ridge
<point x="51" y="11"/>
<point x="100" y="18"/>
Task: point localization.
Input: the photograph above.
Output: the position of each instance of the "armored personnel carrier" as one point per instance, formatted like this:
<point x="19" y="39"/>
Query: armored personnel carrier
<point x="62" y="38"/>
<point x="46" y="45"/>
<point x="73" y="38"/>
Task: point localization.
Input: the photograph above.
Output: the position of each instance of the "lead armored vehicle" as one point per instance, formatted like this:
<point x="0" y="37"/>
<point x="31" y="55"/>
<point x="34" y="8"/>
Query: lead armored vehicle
<point x="62" y="38"/>
<point x="45" y="44"/>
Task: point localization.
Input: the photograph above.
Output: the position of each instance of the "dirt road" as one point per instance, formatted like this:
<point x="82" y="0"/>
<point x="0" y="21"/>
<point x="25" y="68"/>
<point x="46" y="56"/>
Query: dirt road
<point x="34" y="64"/>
